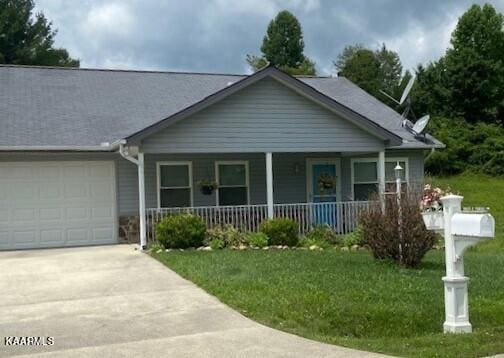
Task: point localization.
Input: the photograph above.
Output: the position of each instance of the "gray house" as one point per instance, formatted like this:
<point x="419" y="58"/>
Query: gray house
<point x="85" y="154"/>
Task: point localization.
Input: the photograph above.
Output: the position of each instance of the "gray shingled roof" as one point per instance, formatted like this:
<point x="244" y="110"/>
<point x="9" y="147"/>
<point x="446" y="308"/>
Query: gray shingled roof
<point x="80" y="107"/>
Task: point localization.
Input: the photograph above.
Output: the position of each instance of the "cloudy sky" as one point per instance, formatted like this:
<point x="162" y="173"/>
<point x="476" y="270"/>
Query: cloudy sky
<point x="216" y="35"/>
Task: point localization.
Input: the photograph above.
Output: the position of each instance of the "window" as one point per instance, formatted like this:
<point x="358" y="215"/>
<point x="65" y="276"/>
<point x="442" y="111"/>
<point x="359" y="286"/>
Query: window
<point x="365" y="176"/>
<point x="174" y="181"/>
<point x="233" y="183"/>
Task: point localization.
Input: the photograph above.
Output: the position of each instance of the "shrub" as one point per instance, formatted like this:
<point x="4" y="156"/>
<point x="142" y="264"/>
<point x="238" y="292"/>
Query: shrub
<point x="180" y="231"/>
<point x="228" y="234"/>
<point x="281" y="232"/>
<point x="312" y="241"/>
<point x="353" y="238"/>
<point x="217" y="244"/>
<point x="257" y="239"/>
<point x="477" y="147"/>
<point x="406" y="244"/>
<point x="322" y="235"/>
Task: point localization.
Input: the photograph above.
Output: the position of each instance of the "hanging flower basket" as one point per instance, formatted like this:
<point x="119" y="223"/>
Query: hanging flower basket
<point x="434" y="220"/>
<point x="207" y="187"/>
<point x="432" y="207"/>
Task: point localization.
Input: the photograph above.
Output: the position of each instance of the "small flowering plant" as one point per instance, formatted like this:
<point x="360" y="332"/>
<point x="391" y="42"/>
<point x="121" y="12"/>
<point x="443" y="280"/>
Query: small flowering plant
<point x="431" y="198"/>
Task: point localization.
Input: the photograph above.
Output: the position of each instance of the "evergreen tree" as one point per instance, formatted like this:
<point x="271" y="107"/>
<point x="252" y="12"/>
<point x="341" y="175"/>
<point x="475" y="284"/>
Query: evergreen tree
<point x="283" y="46"/>
<point x="28" y="39"/>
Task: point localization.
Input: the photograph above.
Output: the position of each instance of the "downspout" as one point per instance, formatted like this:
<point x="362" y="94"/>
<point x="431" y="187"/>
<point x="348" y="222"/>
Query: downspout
<point x="139" y="161"/>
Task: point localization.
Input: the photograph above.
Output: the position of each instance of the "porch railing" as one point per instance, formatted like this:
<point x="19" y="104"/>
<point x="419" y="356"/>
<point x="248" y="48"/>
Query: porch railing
<point x="342" y="217"/>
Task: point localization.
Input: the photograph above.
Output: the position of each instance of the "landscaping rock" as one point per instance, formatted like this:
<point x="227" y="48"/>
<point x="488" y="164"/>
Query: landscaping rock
<point x="314" y="247"/>
<point x="181" y="249"/>
<point x="345" y="248"/>
<point x="265" y="248"/>
<point x="285" y="247"/>
<point x="354" y="247"/>
<point x="206" y="248"/>
<point x="159" y="251"/>
<point x="168" y="250"/>
<point x="242" y="247"/>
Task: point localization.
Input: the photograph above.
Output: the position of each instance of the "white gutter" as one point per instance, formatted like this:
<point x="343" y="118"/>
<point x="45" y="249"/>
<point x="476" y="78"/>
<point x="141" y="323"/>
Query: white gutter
<point x="64" y="148"/>
<point x="139" y="161"/>
<point x="103" y="147"/>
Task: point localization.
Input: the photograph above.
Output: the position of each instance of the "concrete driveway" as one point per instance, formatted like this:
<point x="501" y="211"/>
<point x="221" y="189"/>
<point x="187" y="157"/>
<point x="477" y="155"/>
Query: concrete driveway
<point x="113" y="301"/>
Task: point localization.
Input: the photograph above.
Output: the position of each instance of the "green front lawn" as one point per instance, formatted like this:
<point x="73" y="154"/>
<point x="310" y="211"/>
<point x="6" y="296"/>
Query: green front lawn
<point x="350" y="299"/>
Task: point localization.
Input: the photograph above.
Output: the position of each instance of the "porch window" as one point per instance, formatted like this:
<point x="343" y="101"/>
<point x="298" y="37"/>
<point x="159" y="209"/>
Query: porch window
<point x="174" y="181"/>
<point x="365" y="176"/>
<point x="233" y="183"/>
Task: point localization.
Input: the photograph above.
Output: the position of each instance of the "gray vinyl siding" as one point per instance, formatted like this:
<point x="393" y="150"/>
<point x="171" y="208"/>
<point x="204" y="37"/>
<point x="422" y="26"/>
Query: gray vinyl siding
<point x="267" y="116"/>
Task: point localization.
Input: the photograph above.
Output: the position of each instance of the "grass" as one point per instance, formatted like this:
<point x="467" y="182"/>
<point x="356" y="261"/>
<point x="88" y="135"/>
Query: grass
<point x="350" y="299"/>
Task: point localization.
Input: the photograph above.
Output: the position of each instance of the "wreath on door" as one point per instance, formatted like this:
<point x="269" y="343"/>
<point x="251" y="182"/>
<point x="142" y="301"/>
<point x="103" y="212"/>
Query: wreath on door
<point x="325" y="182"/>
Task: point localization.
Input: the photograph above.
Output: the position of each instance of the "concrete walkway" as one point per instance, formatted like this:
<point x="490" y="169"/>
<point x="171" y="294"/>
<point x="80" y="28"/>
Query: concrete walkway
<point x="113" y="301"/>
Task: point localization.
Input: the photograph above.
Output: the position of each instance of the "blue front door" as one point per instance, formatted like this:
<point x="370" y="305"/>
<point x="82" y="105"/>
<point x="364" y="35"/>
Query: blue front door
<point x="323" y="191"/>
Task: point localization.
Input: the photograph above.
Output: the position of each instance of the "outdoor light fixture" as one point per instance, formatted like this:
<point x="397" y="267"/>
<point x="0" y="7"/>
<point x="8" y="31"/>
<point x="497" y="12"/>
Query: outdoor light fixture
<point x="398" y="171"/>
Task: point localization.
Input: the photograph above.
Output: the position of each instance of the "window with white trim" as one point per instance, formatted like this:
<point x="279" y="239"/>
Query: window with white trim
<point x="233" y="183"/>
<point x="174" y="184"/>
<point x="365" y="176"/>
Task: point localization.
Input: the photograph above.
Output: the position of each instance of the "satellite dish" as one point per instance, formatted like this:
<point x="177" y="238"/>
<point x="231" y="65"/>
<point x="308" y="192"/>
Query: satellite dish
<point x="407" y="90"/>
<point x="405" y="94"/>
<point x="420" y="125"/>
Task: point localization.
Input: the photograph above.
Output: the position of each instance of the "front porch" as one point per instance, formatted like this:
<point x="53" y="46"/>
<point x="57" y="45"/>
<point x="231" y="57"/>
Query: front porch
<point x="309" y="188"/>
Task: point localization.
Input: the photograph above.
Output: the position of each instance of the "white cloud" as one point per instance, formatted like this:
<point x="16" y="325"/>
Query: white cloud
<point x="417" y="44"/>
<point x="109" y="19"/>
<point x="215" y="35"/>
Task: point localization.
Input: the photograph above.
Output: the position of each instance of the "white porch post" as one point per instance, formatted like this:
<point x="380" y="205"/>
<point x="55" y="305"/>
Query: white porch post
<point x="141" y="200"/>
<point x="269" y="183"/>
<point x="381" y="177"/>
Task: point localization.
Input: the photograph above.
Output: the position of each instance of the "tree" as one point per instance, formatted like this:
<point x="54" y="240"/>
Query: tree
<point x="468" y="81"/>
<point x="373" y="71"/>
<point x="361" y="66"/>
<point x="283" y="46"/>
<point x="28" y="40"/>
<point x="475" y="67"/>
<point x="390" y="71"/>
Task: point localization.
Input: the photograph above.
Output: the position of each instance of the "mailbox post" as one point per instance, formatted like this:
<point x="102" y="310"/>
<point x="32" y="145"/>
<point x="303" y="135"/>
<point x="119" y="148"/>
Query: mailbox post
<point x="461" y="230"/>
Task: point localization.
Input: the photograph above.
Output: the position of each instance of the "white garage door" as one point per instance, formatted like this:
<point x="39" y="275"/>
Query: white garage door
<point x="56" y="204"/>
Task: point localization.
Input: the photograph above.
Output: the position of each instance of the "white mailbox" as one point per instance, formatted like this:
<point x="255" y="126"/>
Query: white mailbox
<point x="461" y="230"/>
<point x="475" y="225"/>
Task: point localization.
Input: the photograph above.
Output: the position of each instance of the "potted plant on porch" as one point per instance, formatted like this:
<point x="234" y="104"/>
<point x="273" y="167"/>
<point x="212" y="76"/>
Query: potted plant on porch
<point x="207" y="186"/>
